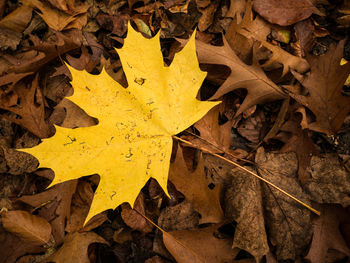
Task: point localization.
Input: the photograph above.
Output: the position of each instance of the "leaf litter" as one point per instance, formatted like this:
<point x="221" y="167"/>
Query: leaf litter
<point x="247" y="219"/>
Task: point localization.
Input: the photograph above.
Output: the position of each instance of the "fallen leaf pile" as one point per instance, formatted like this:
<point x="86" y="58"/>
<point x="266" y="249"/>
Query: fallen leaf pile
<point x="120" y="122"/>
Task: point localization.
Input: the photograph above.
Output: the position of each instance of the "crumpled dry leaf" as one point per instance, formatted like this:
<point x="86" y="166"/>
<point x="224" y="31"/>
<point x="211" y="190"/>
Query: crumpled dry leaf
<point x="117" y="24"/>
<point x="288" y="223"/>
<point x="74" y="116"/>
<point x="57" y="19"/>
<point x="285" y="13"/>
<point x="9" y="39"/>
<point x="75" y="248"/>
<point x="241" y="38"/>
<point x="207" y="17"/>
<point x="251" y="77"/>
<point x="236" y="10"/>
<point x="43" y="52"/>
<point x="133" y="218"/>
<point x="302" y="145"/>
<point x="239" y="33"/>
<point x="55" y="204"/>
<point x="199" y="245"/>
<point x="329" y="180"/>
<point x="18" y="19"/>
<point x="325" y="83"/>
<point x="16" y="162"/>
<point x="31" y="109"/>
<point x="195" y="188"/>
<point x="178" y="217"/>
<point x="327" y="235"/>
<point x="30" y="228"/>
<point x="212" y="132"/>
<point x="251" y="128"/>
<point x="11" y="251"/>
<point x="80" y="205"/>
<point x="304" y="31"/>
<point x="243" y="204"/>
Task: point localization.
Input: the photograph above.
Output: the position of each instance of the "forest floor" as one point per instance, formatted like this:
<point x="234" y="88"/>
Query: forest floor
<point x="280" y="69"/>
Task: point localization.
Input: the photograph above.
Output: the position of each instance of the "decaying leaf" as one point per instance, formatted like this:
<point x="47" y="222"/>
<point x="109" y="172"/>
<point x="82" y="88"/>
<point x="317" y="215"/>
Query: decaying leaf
<point x="288" y="223"/>
<point x="132" y="141"/>
<point x="11" y="251"/>
<point x="285" y="13"/>
<point x="210" y="130"/>
<point x="133" y="218"/>
<point x="243" y="203"/>
<point x="241" y="38"/>
<point x="329" y="180"/>
<point x="31" y="109"/>
<point x="18" y="19"/>
<point x="198" y="245"/>
<point x="80" y="205"/>
<point x="327" y="235"/>
<point x="236" y="10"/>
<point x="195" y="188"/>
<point x="58" y="19"/>
<point x="75" y="248"/>
<point x="324" y="84"/>
<point x="54" y="206"/>
<point x="251" y="77"/>
<point x="302" y="145"/>
<point x="29" y="228"/>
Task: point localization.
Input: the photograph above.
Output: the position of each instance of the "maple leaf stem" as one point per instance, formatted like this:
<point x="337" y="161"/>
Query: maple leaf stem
<point x="254" y="174"/>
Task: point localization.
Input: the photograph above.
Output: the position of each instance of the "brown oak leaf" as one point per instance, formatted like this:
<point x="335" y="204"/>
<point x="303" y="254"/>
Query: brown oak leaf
<point x="251" y="77"/>
<point x="324" y="84"/>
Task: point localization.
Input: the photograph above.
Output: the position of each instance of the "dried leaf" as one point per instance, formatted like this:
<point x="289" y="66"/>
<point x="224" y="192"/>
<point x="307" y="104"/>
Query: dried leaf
<point x="18" y="163"/>
<point x="54" y="206"/>
<point x="242" y="36"/>
<point x="59" y="20"/>
<point x="75" y="116"/>
<point x="43" y="52"/>
<point x="243" y="204"/>
<point x="11" y="251"/>
<point x="199" y="245"/>
<point x="31" y="109"/>
<point x="327" y="235"/>
<point x="236" y="10"/>
<point x="260" y="88"/>
<point x="325" y="83"/>
<point x="29" y="228"/>
<point x="285" y="13"/>
<point x="207" y="17"/>
<point x="9" y="39"/>
<point x="80" y="205"/>
<point x="212" y="132"/>
<point x="75" y="248"/>
<point x="18" y="19"/>
<point x="288" y="223"/>
<point x="133" y="218"/>
<point x="329" y="180"/>
<point x="304" y="31"/>
<point x="302" y="145"/>
<point x="195" y="188"/>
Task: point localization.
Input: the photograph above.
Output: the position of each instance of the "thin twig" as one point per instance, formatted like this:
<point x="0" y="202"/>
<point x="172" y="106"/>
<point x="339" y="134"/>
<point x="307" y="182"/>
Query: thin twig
<point x="254" y="174"/>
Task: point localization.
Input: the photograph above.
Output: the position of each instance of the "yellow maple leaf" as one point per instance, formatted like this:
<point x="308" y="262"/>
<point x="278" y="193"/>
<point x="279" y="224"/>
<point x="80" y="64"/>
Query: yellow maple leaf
<point x="133" y="139"/>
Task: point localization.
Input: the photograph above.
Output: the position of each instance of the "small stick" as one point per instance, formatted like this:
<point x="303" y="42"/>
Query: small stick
<point x="254" y="174"/>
